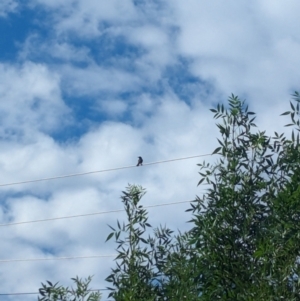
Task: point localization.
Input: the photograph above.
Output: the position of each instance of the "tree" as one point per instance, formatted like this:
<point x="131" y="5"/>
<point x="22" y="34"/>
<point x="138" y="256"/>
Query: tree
<point x="134" y="274"/>
<point x="53" y="292"/>
<point x="149" y="267"/>
<point x="243" y="229"/>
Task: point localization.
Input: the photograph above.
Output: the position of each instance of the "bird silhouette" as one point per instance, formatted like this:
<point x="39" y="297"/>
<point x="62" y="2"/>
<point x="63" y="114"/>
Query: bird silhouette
<point x="140" y="161"/>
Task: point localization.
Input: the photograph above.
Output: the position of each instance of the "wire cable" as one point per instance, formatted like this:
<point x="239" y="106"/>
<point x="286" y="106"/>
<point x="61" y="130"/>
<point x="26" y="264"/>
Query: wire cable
<point x="77" y="257"/>
<point x="98" y="171"/>
<point x="87" y="214"/>
<point x="37" y="293"/>
<point x="56" y="258"/>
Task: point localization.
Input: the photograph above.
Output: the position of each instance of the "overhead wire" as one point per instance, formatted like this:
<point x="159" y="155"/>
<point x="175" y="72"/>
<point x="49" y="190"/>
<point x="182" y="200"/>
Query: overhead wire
<point x="98" y="171"/>
<point x="82" y="215"/>
<point x="103" y="170"/>
<point x="88" y="214"/>
<point x="36" y="293"/>
<point x="56" y="258"/>
<point x="76" y="257"/>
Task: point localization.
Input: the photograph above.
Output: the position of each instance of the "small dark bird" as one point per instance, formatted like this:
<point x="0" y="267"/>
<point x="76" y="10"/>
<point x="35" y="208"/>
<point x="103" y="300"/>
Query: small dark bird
<point x="140" y="161"/>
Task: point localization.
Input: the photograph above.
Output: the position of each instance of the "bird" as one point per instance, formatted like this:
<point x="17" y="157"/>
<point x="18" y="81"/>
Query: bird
<point x="140" y="161"/>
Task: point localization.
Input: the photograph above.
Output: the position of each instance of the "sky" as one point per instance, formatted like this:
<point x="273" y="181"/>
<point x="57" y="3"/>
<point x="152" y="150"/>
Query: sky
<point x="89" y="85"/>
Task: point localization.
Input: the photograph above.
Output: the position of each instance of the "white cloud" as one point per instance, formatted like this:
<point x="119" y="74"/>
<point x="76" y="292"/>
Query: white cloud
<point x="113" y="108"/>
<point x="157" y="44"/>
<point x="83" y="17"/>
<point x="37" y="47"/>
<point x="243" y="47"/>
<point x="94" y="79"/>
<point x="7" y="6"/>
<point x="30" y="97"/>
<point x="93" y="19"/>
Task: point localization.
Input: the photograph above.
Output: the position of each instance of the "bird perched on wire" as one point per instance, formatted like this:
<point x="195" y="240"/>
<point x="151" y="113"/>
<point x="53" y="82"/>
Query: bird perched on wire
<point x="140" y="161"/>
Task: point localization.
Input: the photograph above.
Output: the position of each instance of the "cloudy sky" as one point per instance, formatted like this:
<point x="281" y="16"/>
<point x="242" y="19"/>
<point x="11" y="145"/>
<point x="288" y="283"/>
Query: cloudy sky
<point x="90" y="85"/>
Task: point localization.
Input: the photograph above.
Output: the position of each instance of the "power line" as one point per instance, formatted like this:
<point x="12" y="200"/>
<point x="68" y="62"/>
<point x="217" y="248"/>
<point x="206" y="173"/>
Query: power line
<point x="56" y="258"/>
<point x="98" y="171"/>
<point x="76" y="257"/>
<point x="87" y="214"/>
<point x="36" y="293"/>
<point x="16" y="294"/>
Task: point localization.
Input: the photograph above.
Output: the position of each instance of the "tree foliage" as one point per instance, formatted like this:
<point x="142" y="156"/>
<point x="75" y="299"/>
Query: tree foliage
<point x="149" y="267"/>
<point x="243" y="228"/>
<point x="133" y="275"/>
<point x="54" y="292"/>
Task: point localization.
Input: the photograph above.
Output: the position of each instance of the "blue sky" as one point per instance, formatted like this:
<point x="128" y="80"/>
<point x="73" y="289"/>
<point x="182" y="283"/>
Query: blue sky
<point x="91" y="85"/>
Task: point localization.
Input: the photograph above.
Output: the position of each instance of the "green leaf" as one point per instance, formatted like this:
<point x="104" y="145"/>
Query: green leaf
<point x="110" y="236"/>
<point x="201" y="181"/>
<point x="221" y="142"/>
<point x="216" y="150"/>
<point x="111" y="228"/>
<point x="49" y="283"/>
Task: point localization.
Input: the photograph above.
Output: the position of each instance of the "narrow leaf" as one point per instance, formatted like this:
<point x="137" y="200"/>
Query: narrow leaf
<point x="201" y="181"/>
<point x="110" y="236"/>
<point x="216" y="150"/>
